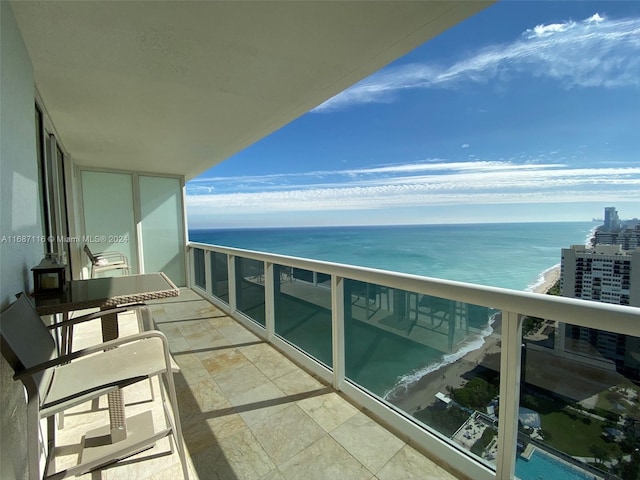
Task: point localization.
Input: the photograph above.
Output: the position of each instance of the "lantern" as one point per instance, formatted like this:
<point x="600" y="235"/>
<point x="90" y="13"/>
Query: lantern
<point x="48" y="276"/>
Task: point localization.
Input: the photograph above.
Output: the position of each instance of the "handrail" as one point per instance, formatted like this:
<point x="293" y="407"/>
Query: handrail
<point x="613" y="318"/>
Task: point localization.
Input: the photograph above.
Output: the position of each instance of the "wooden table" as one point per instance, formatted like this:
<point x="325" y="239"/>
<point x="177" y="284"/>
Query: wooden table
<point x="106" y="293"/>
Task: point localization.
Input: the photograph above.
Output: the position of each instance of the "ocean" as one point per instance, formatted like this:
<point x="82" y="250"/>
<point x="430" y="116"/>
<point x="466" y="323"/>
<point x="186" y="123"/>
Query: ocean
<point x="509" y="255"/>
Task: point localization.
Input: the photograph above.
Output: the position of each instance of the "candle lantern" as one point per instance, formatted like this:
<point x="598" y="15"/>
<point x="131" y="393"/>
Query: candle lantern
<point x="48" y="276"/>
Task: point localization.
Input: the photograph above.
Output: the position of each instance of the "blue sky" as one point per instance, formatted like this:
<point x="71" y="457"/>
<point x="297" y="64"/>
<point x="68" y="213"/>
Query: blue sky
<point x="528" y="111"/>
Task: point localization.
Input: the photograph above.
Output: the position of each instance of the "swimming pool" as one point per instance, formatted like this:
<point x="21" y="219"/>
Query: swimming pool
<point x="542" y="466"/>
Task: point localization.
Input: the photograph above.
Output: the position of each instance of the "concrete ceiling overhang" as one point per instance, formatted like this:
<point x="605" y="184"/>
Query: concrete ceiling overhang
<point x="179" y="86"/>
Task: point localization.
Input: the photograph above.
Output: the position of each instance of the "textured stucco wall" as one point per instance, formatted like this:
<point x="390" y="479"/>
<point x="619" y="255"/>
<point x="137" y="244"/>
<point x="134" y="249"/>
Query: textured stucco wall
<point x="19" y="216"/>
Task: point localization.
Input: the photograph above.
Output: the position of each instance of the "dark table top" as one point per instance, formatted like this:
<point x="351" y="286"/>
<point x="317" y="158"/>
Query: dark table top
<point x="107" y="292"/>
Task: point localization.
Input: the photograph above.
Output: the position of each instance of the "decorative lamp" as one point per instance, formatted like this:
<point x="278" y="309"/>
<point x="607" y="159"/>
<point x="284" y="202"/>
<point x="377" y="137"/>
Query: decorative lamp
<point x="48" y="276"/>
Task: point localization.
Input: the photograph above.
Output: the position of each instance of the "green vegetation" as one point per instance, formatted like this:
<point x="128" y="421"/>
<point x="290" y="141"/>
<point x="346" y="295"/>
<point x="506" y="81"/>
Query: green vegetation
<point x="573" y="433"/>
<point x="542" y="404"/>
<point x="445" y="420"/>
<point x="629" y="470"/>
<point x="531" y="324"/>
<point x="555" y="289"/>
<point x="484" y="441"/>
<point x="566" y="428"/>
<point x="476" y="394"/>
<point x="615" y="401"/>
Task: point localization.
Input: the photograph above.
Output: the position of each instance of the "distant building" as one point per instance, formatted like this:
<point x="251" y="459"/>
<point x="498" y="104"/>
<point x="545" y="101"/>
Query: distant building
<point x="611" y="219"/>
<point x="616" y="232"/>
<point x="628" y="237"/>
<point x="608" y="274"/>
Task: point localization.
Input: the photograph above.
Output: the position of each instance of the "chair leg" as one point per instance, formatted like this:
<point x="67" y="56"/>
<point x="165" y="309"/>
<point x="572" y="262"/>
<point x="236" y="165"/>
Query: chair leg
<point x="177" y="428"/>
<point x="145" y="322"/>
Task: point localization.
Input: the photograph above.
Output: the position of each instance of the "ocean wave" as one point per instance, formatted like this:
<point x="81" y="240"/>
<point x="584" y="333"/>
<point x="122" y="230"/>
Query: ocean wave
<point x="541" y="278"/>
<point x="475" y="342"/>
<point x="590" y="236"/>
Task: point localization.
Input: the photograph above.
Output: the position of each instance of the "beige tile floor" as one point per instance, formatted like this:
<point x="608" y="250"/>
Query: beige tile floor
<point x="247" y="412"/>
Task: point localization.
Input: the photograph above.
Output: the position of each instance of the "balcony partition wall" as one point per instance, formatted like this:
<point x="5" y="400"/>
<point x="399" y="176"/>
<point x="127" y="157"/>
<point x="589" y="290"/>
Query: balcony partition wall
<point x="138" y="215"/>
<point x="439" y="361"/>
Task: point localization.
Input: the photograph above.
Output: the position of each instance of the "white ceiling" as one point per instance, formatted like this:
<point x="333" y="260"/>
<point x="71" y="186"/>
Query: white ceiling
<point x="179" y="86"/>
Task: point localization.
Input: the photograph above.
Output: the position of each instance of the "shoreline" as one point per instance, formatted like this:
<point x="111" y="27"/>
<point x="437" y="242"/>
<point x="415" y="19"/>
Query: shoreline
<point x="422" y="393"/>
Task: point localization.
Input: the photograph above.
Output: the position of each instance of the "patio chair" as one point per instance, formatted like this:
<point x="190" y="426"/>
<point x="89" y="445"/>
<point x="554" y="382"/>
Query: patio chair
<point x="107" y="261"/>
<point x="56" y="382"/>
<point x="66" y="327"/>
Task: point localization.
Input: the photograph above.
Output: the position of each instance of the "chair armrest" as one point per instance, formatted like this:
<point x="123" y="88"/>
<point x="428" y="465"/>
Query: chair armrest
<point x="28" y="372"/>
<point x="95" y="315"/>
<point x="108" y="255"/>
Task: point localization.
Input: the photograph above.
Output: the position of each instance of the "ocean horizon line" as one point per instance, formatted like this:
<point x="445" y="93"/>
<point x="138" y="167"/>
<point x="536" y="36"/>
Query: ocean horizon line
<point x="383" y="225"/>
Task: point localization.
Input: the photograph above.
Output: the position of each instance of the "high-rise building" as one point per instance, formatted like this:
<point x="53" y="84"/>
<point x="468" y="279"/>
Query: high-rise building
<point x="628" y="237"/>
<point x="603" y="273"/>
<point x="609" y="274"/>
<point x="611" y="219"/>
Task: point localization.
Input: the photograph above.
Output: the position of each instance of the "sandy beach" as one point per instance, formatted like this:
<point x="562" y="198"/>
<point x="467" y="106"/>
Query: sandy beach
<point x="422" y="393"/>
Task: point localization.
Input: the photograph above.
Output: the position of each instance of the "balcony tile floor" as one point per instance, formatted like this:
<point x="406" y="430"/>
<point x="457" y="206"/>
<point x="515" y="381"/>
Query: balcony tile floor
<point x="247" y="412"/>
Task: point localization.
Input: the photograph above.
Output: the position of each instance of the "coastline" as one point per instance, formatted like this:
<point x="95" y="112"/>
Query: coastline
<point x="423" y="393"/>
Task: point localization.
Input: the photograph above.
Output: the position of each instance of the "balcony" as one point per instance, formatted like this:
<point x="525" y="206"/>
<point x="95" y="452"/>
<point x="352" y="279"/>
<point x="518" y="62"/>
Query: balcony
<point x="260" y="404"/>
<point x="270" y="346"/>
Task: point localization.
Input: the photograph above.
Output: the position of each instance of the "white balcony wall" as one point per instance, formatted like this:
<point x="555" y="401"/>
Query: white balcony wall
<point x="162" y="226"/>
<point x="20" y="219"/>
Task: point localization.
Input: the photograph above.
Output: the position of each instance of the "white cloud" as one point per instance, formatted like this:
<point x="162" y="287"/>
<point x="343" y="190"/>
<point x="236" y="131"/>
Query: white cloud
<point x="594" y="52"/>
<point x="444" y="184"/>
<point x="465" y="145"/>
<point x="370" y="175"/>
<point x="595" y="18"/>
<point x="547" y="30"/>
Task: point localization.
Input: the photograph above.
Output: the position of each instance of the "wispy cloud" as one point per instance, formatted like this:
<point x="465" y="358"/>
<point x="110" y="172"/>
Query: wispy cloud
<point x="597" y="51"/>
<point x="392" y="173"/>
<point x="426" y="184"/>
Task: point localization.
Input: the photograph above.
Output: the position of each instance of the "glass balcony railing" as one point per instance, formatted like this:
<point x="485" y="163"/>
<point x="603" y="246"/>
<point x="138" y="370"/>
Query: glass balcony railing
<point x="250" y="293"/>
<point x="302" y="311"/>
<point x="496" y="383"/>
<point x="198" y="268"/>
<point x="219" y="276"/>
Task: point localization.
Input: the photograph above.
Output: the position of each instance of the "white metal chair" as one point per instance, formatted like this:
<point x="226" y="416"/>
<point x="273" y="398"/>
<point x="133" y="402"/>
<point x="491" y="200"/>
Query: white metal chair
<point x="107" y="261"/>
<point x="56" y="382"/>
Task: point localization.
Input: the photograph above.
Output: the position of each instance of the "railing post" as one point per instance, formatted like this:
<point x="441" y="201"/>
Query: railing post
<point x="231" y="270"/>
<point x="207" y="272"/>
<point x="337" y="330"/>
<point x="269" y="300"/>
<point x="191" y="271"/>
<point x="510" y="371"/>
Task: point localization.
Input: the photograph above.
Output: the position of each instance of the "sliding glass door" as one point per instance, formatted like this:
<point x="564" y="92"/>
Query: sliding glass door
<point x="138" y="215"/>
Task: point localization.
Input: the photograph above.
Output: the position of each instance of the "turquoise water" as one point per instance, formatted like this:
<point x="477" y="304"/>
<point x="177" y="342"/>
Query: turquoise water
<point x="544" y="467"/>
<point x="510" y="255"/>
